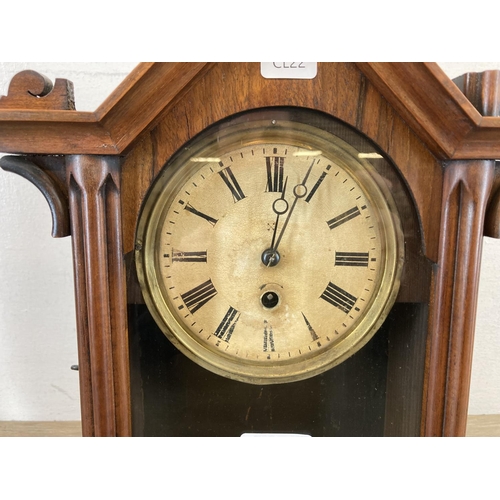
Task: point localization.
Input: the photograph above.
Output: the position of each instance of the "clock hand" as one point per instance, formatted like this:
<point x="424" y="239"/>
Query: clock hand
<point x="300" y="190"/>
<point x="271" y="257"/>
<point x="280" y="207"/>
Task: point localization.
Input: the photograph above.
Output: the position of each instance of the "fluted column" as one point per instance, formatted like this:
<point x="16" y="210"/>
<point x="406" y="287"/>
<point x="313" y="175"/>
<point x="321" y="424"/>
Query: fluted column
<point x="95" y="208"/>
<point x="466" y="189"/>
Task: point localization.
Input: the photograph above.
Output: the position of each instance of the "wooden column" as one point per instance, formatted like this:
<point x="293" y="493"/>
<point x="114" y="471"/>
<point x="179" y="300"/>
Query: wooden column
<point x="467" y="186"/>
<point x="95" y="208"/>
<point x="469" y="208"/>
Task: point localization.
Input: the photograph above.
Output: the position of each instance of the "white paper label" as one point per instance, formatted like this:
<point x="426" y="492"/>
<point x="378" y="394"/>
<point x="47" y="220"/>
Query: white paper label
<point x="272" y="435"/>
<point x="289" y="70"/>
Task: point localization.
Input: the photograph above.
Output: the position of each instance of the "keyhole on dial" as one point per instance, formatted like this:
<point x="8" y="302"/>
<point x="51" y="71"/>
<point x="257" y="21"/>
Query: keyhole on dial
<point x="270" y="300"/>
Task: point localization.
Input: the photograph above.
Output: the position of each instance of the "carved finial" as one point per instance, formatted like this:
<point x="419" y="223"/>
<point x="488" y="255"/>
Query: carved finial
<point x="31" y="90"/>
<point x="482" y="90"/>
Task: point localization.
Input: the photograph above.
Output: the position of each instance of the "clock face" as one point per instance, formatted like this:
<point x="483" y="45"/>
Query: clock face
<point x="269" y="250"/>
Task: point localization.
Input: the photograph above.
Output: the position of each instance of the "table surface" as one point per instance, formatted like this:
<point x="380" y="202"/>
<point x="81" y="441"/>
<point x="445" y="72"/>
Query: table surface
<point x="477" y="426"/>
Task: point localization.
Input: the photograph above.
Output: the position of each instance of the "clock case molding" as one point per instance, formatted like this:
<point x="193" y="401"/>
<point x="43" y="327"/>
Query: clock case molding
<point x="95" y="168"/>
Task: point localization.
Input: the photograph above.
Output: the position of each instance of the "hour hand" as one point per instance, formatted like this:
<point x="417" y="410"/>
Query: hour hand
<point x="280" y="206"/>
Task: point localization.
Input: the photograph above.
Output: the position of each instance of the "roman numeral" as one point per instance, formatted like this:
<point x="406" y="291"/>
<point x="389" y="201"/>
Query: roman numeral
<point x="231" y="182"/>
<point x="356" y="259"/>
<point x="275" y="171"/>
<point x="340" y="219"/>
<point x="199" y="296"/>
<point x="193" y="210"/>
<point x="228" y="324"/>
<point x="310" y="328"/>
<point x="178" y="256"/>
<point x="268" y="344"/>
<point x="339" y="298"/>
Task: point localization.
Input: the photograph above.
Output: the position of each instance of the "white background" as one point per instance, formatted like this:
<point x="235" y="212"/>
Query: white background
<point x="37" y="323"/>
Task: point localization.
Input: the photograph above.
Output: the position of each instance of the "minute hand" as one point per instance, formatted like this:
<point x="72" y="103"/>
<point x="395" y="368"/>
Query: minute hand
<point x="279" y="211"/>
<point x="300" y="190"/>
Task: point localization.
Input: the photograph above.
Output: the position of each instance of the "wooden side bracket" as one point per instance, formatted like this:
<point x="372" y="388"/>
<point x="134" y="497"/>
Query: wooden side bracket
<point x="492" y="220"/>
<point x="58" y="202"/>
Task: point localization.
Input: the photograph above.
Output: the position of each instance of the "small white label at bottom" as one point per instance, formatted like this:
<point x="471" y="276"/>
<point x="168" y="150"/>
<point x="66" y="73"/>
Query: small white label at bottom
<point x="273" y="435"/>
<point x="289" y="70"/>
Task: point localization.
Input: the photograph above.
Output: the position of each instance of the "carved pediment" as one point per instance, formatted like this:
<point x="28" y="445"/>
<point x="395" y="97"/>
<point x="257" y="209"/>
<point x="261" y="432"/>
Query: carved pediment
<point x="421" y="93"/>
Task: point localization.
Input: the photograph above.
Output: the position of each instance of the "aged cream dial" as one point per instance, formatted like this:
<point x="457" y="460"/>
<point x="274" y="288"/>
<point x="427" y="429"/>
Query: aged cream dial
<point x="268" y="251"/>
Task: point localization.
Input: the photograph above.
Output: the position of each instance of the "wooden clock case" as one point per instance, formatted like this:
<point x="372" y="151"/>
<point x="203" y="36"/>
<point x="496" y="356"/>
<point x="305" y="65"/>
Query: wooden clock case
<point x="95" y="170"/>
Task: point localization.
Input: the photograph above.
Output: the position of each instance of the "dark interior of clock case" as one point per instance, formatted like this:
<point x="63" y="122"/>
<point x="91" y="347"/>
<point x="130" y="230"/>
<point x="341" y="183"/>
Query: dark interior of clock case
<point x="378" y="391"/>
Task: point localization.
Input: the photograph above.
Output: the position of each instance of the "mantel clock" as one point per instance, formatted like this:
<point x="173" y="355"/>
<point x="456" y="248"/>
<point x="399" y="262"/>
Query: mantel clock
<point x="269" y="255"/>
